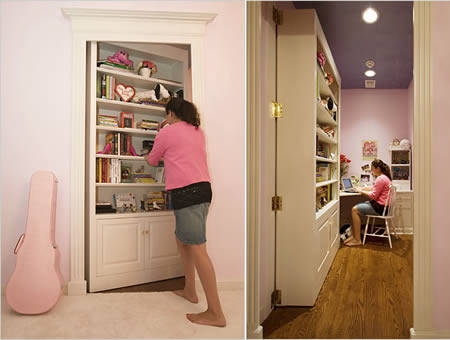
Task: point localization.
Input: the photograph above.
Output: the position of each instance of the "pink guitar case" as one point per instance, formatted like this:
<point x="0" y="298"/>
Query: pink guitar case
<point x="36" y="284"/>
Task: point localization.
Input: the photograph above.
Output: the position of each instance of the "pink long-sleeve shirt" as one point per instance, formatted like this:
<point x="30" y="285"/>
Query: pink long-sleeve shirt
<point x="380" y="189"/>
<point x="184" y="151"/>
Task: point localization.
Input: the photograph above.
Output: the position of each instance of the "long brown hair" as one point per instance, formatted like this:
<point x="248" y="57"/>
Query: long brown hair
<point x="184" y="110"/>
<point x="378" y="163"/>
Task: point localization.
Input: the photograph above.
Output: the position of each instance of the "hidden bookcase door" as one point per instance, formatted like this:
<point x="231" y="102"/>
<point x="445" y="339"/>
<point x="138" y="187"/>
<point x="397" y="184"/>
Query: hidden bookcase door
<point x="129" y="225"/>
<point x="309" y="88"/>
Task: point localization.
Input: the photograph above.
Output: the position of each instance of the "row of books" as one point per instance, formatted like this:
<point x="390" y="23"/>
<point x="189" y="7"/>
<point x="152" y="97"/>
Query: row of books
<point x="108" y="170"/>
<point x="325" y="171"/>
<point x="106" y="87"/>
<point x="107" y="120"/>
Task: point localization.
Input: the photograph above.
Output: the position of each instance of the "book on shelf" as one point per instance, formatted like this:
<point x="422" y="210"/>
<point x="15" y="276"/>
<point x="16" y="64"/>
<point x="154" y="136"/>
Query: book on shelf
<point x="148" y="125"/>
<point x="107" y="87"/>
<point x="159" y="175"/>
<point x="107" y="170"/>
<point x="113" y="66"/>
<point x="126" y="120"/>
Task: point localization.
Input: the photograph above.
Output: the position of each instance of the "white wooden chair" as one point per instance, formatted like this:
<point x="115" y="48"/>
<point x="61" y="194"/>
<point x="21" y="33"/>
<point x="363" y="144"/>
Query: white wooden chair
<point x="387" y="216"/>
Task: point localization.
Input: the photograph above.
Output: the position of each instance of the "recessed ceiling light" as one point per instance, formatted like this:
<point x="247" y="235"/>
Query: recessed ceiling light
<point x="370" y="15"/>
<point x="370" y="73"/>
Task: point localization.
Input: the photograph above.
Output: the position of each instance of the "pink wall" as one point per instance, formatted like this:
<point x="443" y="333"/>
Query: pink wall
<point x="372" y="114"/>
<point x="440" y="30"/>
<point x="36" y="54"/>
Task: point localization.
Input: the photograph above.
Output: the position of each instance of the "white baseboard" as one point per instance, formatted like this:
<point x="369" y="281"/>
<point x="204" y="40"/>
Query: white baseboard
<point x="255" y="333"/>
<point x="429" y="334"/>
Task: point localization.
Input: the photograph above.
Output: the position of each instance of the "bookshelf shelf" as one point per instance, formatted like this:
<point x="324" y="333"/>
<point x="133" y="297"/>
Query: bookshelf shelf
<point x="400" y="164"/>
<point x="131" y="78"/>
<point x="156" y="185"/>
<point x="322" y="184"/>
<point x="323" y="137"/>
<point x="130" y="131"/>
<point x="323" y="159"/>
<point x="131" y="107"/>
<point x="136" y="214"/>
<point x="323" y="117"/>
<point x="129" y="158"/>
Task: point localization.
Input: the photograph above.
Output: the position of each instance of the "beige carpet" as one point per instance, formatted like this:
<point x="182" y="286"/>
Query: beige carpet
<point x="125" y="315"/>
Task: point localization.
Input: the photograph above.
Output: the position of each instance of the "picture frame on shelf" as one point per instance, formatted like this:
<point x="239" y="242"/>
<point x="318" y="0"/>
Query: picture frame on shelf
<point x="365" y="179"/>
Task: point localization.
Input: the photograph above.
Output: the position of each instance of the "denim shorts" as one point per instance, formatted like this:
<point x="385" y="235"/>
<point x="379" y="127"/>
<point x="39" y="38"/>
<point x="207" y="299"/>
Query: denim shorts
<point x="191" y="223"/>
<point x="365" y="208"/>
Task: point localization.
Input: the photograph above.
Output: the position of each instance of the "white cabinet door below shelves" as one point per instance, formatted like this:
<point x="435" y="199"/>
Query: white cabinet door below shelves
<point x="162" y="249"/>
<point x="120" y="246"/>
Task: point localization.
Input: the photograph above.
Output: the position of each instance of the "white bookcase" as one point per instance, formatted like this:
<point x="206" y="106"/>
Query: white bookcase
<point x="127" y="248"/>
<point x="308" y="227"/>
<point x="401" y="165"/>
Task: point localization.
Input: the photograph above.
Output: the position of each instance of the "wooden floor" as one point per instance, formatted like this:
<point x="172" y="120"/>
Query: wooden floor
<point x="158" y="286"/>
<point x="368" y="293"/>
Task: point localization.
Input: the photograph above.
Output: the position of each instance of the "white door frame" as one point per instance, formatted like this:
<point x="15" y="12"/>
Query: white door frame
<point x="422" y="324"/>
<point x="118" y="25"/>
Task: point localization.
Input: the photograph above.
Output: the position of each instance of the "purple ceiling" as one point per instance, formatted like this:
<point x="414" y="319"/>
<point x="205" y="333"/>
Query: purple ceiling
<point x="389" y="41"/>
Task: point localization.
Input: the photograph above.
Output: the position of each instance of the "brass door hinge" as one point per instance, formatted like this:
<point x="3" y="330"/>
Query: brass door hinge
<point x="277" y="203"/>
<point x="276" y="297"/>
<point x="277" y="16"/>
<point x="277" y="110"/>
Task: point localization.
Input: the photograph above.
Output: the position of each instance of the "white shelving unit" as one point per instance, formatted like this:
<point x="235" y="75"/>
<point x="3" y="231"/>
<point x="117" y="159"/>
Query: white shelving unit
<point x="128" y="248"/>
<point x="401" y="166"/>
<point x="308" y="232"/>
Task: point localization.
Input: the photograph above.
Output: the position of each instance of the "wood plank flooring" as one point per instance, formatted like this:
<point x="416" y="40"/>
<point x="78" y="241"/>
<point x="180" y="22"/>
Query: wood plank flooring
<point x="368" y="293"/>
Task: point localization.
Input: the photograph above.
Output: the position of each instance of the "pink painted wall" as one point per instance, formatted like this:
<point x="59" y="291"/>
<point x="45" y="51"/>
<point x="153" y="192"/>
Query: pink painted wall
<point x="372" y="114"/>
<point x="36" y="54"/>
<point x="440" y="30"/>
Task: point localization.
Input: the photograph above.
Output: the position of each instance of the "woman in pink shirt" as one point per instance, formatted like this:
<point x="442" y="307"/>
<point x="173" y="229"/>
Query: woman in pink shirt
<point x="182" y="145"/>
<point x="377" y="195"/>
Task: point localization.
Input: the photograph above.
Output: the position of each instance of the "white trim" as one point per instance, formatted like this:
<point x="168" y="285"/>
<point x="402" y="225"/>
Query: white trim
<point x="422" y="167"/>
<point x="429" y="334"/>
<point x="118" y="25"/>
<point x="253" y="64"/>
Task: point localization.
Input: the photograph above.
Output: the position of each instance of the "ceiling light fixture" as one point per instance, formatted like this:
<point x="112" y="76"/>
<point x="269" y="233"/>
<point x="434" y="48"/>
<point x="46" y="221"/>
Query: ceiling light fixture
<point x="370" y="73"/>
<point x="370" y="63"/>
<point x="370" y="15"/>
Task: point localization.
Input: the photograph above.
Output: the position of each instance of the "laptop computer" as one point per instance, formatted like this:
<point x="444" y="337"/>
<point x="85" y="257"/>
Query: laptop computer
<point x="347" y="185"/>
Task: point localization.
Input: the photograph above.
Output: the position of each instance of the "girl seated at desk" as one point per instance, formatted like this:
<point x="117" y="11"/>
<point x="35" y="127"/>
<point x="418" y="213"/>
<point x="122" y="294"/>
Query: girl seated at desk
<point x="377" y="195"/>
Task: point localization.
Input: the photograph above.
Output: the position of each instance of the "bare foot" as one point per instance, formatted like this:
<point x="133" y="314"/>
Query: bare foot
<point x="188" y="296"/>
<point x="353" y="243"/>
<point x="347" y="240"/>
<point x="207" y="318"/>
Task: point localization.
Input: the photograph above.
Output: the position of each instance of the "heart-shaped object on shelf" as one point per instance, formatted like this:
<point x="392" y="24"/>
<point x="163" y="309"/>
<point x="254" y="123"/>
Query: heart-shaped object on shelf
<point x="125" y="92"/>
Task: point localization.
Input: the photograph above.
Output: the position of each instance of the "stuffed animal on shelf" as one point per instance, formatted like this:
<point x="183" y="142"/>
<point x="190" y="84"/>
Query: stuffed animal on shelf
<point x="159" y="95"/>
<point x="121" y="57"/>
<point x="108" y="146"/>
<point x="146" y="68"/>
